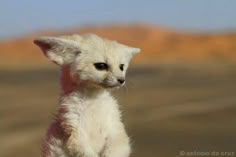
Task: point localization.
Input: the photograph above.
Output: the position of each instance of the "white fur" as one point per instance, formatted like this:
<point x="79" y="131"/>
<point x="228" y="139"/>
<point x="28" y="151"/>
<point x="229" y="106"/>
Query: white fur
<point x="88" y="123"/>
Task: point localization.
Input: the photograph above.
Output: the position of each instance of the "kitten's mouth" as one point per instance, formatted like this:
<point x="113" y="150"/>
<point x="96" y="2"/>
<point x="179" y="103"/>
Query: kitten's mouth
<point x="105" y="85"/>
<point x="110" y="86"/>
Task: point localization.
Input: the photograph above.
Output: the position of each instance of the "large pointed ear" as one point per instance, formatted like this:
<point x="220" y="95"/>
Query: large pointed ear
<point x="60" y="50"/>
<point x="134" y="50"/>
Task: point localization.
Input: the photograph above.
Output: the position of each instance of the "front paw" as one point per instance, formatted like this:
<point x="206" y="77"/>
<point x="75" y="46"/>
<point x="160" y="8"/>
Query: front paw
<point x="77" y="148"/>
<point x="72" y="146"/>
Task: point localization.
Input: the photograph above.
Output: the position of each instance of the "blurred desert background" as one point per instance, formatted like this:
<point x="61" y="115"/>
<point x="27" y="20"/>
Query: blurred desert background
<point x="180" y="93"/>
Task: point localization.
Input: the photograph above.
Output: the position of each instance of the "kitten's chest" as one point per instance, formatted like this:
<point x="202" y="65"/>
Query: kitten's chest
<point x="97" y="116"/>
<point x="97" y="119"/>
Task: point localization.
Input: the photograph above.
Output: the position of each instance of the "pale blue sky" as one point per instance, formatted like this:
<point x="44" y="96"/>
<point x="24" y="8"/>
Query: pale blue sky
<point x="18" y="17"/>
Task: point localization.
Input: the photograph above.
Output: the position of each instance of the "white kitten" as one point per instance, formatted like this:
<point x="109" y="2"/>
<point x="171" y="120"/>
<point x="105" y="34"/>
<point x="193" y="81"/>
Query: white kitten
<point x="88" y="123"/>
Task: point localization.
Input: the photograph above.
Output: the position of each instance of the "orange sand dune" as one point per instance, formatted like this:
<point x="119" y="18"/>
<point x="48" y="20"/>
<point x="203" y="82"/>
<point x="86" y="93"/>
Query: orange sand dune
<point x="158" y="45"/>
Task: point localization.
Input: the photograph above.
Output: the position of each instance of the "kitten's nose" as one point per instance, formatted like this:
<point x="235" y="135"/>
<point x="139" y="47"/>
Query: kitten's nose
<point x="121" y="81"/>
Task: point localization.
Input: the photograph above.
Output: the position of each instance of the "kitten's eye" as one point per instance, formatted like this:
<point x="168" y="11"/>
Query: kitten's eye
<point x="121" y="67"/>
<point x="101" y="66"/>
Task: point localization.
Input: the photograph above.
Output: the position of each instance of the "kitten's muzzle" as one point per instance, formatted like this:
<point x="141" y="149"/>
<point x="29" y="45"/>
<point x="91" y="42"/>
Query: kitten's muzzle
<point x="112" y="82"/>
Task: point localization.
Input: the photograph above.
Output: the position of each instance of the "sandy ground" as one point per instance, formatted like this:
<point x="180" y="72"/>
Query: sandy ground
<point x="167" y="109"/>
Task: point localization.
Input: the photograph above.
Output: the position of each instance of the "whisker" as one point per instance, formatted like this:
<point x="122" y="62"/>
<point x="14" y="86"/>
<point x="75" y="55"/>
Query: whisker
<point x="131" y="84"/>
<point x="126" y="88"/>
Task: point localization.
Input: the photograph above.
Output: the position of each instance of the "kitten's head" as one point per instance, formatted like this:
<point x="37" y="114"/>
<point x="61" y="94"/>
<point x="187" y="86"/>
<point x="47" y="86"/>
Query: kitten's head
<point x="93" y="60"/>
